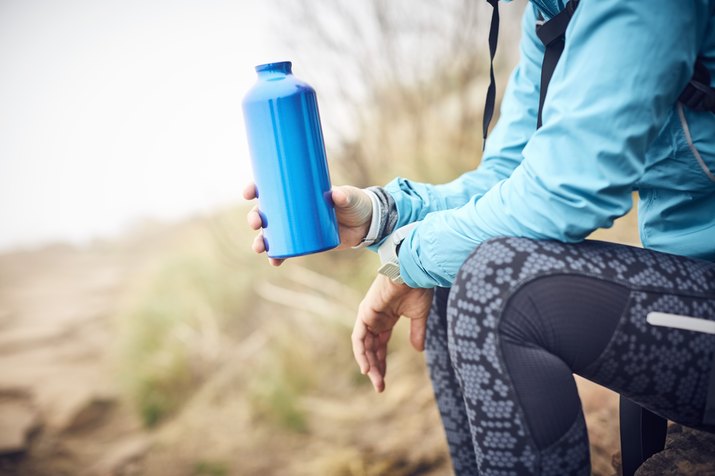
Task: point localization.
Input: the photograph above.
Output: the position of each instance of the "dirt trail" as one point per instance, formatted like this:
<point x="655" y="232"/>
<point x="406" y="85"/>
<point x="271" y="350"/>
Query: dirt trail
<point x="60" y="411"/>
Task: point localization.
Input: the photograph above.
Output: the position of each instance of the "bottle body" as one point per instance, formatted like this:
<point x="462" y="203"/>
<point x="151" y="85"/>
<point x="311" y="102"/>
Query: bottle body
<point x="289" y="164"/>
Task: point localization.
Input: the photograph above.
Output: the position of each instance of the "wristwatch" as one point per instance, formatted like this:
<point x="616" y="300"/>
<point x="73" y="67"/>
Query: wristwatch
<point x="388" y="253"/>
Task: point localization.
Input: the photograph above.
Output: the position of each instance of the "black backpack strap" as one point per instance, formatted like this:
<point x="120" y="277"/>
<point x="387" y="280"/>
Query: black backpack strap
<point x="698" y="94"/>
<point x="551" y="34"/>
<point x="492" y="90"/>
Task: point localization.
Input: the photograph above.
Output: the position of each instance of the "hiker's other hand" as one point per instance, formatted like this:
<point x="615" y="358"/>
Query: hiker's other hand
<point x="378" y="313"/>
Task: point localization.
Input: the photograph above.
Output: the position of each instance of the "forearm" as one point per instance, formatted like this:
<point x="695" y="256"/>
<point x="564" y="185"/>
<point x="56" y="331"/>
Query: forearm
<point x="413" y="201"/>
<point x="402" y="201"/>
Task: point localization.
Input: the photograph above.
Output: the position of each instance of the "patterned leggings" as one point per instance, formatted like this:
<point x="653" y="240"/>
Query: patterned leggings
<point x="524" y="315"/>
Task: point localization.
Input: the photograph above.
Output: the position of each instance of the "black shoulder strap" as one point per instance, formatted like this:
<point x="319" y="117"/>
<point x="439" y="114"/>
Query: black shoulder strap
<point x="551" y="34"/>
<point x="698" y="94"/>
<point x="492" y="90"/>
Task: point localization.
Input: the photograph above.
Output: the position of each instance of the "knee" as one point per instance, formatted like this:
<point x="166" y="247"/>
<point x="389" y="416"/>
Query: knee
<point x="482" y="284"/>
<point x="489" y="277"/>
<point x="487" y="273"/>
<point x="500" y="264"/>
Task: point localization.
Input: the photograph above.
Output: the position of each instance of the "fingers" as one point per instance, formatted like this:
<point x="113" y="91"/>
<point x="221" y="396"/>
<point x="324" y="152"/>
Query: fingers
<point x="259" y="246"/>
<point x="358" y="339"/>
<point x="376" y="352"/>
<point x="256" y="223"/>
<point x="370" y="353"/>
<point x="418" y="330"/>
<point x="254" y="219"/>
<point x="383" y="339"/>
<point x="249" y="193"/>
<point x="378" y="383"/>
<point x="375" y="375"/>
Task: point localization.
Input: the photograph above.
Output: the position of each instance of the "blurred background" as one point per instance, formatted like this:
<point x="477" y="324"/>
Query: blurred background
<point x="138" y="332"/>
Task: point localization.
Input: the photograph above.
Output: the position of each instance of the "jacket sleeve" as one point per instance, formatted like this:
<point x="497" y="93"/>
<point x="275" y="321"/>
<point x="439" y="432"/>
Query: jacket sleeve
<point x="502" y="155"/>
<point x="623" y="67"/>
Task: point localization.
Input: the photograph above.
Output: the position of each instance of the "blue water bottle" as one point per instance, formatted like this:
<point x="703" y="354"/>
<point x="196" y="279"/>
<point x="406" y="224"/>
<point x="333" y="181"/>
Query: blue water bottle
<point x="289" y="164"/>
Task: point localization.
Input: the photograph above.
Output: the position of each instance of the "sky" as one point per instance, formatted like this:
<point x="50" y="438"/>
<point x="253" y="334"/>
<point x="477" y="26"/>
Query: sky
<point x="114" y="111"/>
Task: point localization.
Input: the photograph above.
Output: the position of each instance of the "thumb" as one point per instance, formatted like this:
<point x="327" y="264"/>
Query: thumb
<point x="352" y="204"/>
<point x="347" y="196"/>
<point x="418" y="329"/>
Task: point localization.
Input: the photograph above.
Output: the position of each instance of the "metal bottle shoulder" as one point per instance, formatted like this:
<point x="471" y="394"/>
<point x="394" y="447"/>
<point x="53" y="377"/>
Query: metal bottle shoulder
<point x="276" y="88"/>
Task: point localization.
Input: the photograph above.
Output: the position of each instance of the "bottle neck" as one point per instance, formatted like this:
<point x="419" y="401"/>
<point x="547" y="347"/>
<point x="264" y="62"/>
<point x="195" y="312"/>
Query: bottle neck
<point x="274" y="70"/>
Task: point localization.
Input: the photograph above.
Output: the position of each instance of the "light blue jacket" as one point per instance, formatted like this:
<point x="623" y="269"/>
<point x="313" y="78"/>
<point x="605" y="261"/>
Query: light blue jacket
<point x="611" y="125"/>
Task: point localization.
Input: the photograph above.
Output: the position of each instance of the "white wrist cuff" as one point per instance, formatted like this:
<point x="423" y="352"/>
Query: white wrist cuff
<point x="374" y="222"/>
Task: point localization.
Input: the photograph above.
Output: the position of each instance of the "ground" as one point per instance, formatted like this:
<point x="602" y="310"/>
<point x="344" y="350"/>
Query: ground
<point x="62" y="409"/>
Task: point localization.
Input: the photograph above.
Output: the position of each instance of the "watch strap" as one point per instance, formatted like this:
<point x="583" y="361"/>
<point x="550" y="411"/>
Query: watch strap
<point x="388" y="253"/>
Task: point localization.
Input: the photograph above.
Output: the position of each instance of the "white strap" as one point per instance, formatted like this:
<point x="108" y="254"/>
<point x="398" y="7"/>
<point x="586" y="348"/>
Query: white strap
<point x="388" y="249"/>
<point x="681" y="322"/>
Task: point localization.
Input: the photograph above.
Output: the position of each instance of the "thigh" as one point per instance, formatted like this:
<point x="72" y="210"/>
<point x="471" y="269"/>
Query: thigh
<point x="667" y="370"/>
<point x="549" y="329"/>
<point x="587" y="304"/>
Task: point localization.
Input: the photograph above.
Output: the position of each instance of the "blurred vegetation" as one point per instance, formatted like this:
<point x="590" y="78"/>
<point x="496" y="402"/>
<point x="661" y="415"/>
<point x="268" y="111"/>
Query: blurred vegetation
<point x="402" y="85"/>
<point x="240" y="368"/>
<point x="173" y="331"/>
<point x="210" y="468"/>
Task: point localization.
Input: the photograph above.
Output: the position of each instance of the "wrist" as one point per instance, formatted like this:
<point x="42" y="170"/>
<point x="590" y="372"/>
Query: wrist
<point x="375" y="218"/>
<point x="386" y="215"/>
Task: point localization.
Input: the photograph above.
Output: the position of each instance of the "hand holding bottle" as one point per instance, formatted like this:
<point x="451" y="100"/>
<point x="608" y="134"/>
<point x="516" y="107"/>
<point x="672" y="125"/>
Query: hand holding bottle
<point x="289" y="164"/>
<point x="353" y="209"/>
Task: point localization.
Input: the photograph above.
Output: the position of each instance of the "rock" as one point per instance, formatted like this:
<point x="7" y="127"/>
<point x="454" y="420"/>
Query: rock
<point x="78" y="401"/>
<point x="17" y="420"/>
<point x="122" y="457"/>
<point x="686" y="452"/>
<point x="90" y="414"/>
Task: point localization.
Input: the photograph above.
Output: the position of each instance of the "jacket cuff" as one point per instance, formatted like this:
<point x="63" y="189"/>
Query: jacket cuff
<point x="387" y="215"/>
<point x="411" y="269"/>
